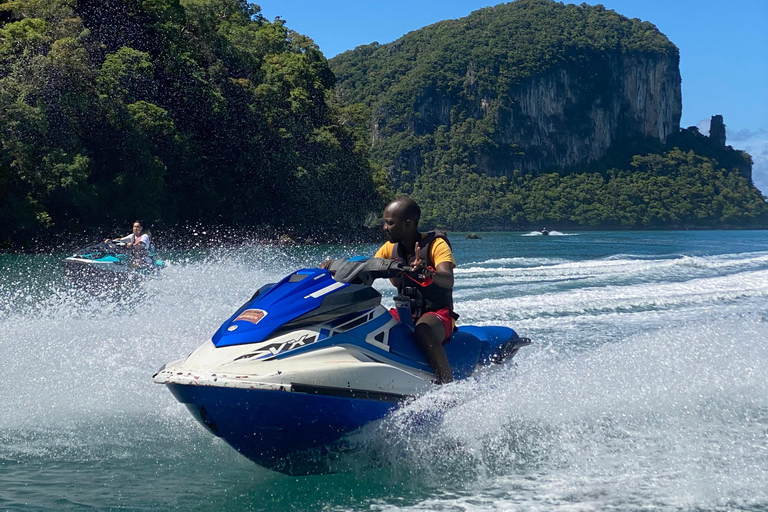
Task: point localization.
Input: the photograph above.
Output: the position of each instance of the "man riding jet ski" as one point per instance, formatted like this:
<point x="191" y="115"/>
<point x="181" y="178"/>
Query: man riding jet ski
<point x="429" y="286"/>
<point x="313" y="357"/>
<point x="316" y="356"/>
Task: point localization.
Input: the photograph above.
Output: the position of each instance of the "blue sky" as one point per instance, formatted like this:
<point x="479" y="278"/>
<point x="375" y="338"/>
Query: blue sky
<point x="723" y="49"/>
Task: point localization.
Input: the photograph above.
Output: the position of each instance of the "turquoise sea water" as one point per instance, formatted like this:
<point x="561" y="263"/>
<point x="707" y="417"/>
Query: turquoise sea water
<point x="645" y="388"/>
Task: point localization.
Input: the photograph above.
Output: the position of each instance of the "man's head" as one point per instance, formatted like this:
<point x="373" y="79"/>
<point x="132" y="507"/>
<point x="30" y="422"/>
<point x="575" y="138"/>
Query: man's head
<point x="401" y="219"/>
<point x="138" y="227"/>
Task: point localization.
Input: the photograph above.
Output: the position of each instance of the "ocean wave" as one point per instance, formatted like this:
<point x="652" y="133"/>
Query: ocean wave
<point x="610" y="298"/>
<point x="536" y="279"/>
<point x="514" y="262"/>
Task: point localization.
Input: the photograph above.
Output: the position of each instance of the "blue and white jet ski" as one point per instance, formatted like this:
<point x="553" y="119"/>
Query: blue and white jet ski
<point x="314" y="357"/>
<point x="110" y="263"/>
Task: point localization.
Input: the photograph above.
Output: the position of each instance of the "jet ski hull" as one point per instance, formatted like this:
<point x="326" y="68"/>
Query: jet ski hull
<point x="273" y="411"/>
<point x="101" y="266"/>
<point x="76" y="267"/>
<point x="280" y="430"/>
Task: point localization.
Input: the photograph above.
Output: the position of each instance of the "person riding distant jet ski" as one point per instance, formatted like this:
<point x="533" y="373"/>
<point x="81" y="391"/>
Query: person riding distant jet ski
<point x="431" y="257"/>
<point x="139" y="243"/>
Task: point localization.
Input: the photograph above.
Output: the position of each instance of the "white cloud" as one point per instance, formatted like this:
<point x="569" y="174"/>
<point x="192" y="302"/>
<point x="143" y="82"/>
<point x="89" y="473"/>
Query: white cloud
<point x="747" y="134"/>
<point x="703" y="126"/>
<point x="754" y="142"/>
<point x="760" y="175"/>
<point x="760" y="172"/>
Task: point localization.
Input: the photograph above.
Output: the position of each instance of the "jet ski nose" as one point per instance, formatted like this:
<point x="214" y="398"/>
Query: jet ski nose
<point x="159" y="370"/>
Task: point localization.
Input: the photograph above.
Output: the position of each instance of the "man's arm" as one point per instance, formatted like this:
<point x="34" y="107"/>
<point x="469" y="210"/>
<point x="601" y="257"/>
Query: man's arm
<point x="443" y="276"/>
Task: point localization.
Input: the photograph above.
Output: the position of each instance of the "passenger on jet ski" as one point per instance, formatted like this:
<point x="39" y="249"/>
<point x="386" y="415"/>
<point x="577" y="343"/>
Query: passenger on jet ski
<point x="139" y="243"/>
<point x="430" y="286"/>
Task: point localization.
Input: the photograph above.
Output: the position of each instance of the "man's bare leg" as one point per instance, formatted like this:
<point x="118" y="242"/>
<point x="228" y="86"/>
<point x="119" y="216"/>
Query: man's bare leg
<point x="430" y="334"/>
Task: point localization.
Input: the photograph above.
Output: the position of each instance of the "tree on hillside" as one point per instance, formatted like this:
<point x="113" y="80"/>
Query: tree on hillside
<point x="174" y="111"/>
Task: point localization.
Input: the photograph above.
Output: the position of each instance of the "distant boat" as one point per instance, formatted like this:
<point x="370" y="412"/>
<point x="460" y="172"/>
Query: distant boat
<point x="544" y="231"/>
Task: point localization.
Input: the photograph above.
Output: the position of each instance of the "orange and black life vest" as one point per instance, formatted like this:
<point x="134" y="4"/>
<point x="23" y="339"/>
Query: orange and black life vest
<point x="428" y="298"/>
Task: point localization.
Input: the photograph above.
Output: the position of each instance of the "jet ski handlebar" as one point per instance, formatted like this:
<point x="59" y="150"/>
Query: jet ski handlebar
<point x="366" y="271"/>
<point x="112" y="246"/>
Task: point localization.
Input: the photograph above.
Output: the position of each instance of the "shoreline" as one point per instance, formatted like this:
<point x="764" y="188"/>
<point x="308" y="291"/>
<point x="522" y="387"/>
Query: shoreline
<point x="207" y="237"/>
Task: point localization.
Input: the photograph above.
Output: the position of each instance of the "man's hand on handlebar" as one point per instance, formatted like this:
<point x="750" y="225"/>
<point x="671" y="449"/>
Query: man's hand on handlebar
<point x="419" y="266"/>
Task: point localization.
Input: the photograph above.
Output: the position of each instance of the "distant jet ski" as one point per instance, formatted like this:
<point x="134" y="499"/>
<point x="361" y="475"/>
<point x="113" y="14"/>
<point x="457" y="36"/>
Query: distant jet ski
<point x="110" y="262"/>
<point x="544" y="231"/>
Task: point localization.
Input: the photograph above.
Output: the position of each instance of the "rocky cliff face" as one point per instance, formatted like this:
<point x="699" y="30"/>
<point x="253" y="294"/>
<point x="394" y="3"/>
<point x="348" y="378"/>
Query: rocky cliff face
<point x="566" y="116"/>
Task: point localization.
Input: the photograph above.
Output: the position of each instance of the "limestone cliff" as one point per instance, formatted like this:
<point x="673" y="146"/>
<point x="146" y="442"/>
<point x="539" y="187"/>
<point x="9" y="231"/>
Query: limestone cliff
<point x="569" y="116"/>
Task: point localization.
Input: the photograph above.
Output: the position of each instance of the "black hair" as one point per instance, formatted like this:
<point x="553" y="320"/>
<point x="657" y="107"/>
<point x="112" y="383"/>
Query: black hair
<point x="409" y="208"/>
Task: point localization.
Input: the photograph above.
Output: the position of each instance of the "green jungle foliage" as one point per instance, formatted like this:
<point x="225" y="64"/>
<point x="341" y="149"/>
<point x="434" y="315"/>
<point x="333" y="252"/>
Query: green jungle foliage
<point x="173" y="111"/>
<point x="675" y="189"/>
<point x="691" y="182"/>
<point x="483" y="54"/>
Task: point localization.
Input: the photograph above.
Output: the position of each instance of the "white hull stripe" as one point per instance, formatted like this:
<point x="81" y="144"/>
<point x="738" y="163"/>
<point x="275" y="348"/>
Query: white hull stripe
<point x="325" y="291"/>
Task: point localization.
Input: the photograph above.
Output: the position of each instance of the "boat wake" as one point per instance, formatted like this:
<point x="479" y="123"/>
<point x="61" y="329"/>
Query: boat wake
<point x="549" y="233"/>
